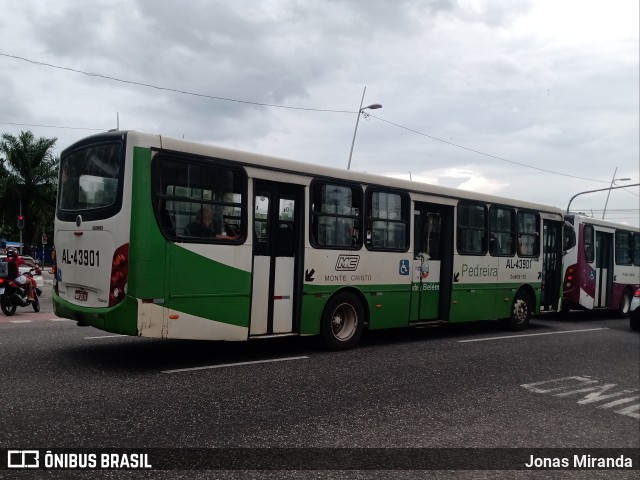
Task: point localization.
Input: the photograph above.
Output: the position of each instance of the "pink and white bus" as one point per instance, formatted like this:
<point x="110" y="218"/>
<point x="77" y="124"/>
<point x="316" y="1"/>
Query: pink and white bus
<point x="602" y="270"/>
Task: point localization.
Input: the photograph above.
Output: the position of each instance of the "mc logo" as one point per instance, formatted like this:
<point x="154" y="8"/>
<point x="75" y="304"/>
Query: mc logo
<point x="347" y="263"/>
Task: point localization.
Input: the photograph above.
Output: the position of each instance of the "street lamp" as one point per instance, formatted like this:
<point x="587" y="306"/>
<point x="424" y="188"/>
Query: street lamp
<point x="373" y="106"/>
<point x="613" y="180"/>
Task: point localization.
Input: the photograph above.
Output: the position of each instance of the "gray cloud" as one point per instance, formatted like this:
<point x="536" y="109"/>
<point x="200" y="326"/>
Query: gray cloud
<point x="502" y="77"/>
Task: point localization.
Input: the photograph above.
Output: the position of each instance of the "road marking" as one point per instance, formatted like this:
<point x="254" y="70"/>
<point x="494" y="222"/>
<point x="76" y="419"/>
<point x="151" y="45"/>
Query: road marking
<point x="238" y="364"/>
<point x="20" y="321"/>
<point x="596" y="391"/>
<point x="104" y="336"/>
<point x="532" y="335"/>
<point x="61" y="320"/>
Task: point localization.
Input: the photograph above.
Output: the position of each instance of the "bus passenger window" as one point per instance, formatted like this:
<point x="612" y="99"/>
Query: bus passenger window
<point x="472" y="229"/>
<point x="198" y="202"/>
<point x="387" y="220"/>
<point x="502" y="232"/>
<point x="528" y="234"/>
<point x="623" y="248"/>
<point x="335" y="220"/>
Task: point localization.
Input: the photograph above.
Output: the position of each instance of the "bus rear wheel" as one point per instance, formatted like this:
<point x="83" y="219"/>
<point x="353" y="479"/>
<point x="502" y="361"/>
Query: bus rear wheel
<point x="520" y="312"/>
<point x="342" y="322"/>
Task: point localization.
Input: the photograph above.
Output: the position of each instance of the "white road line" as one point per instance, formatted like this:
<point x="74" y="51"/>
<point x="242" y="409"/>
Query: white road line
<point x="226" y="365"/>
<point x="20" y="321"/>
<point x="104" y="336"/>
<point x="61" y="320"/>
<point x="531" y="335"/>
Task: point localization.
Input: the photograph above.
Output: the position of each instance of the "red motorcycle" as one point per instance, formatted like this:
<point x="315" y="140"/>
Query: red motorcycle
<point x="14" y="295"/>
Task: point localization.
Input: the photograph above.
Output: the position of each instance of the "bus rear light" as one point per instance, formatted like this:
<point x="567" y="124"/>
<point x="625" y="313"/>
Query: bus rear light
<point x="119" y="274"/>
<point x="117" y="277"/>
<point x="637" y="293"/>
<point x="119" y="259"/>
<point x="568" y="276"/>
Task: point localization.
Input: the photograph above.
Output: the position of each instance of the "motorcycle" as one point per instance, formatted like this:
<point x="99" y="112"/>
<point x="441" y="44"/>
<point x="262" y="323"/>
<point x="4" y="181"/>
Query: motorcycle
<point x="14" y="295"/>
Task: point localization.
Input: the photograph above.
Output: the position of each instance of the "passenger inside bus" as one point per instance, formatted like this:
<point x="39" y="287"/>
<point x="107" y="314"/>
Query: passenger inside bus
<point x="201" y="226"/>
<point x="204" y="226"/>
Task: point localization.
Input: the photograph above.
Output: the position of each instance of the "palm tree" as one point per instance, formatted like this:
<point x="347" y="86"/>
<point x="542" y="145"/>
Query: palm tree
<point x="28" y="176"/>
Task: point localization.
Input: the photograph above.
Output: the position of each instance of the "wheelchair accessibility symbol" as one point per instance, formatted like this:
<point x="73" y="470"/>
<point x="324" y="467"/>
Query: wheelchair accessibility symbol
<point x="404" y="267"/>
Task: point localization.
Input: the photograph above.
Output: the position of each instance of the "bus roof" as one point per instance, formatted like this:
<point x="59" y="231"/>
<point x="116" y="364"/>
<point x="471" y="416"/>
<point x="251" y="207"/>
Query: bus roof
<point x="308" y="169"/>
<point x="581" y="218"/>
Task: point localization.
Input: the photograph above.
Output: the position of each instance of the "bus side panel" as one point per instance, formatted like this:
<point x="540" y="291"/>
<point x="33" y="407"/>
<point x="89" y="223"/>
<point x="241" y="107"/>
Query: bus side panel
<point x="314" y="298"/>
<point x="376" y="276"/>
<point x="387" y="305"/>
<point x="147" y="267"/>
<point x="193" y="283"/>
<point x="204" y="287"/>
<point x="474" y="288"/>
<point x="472" y="301"/>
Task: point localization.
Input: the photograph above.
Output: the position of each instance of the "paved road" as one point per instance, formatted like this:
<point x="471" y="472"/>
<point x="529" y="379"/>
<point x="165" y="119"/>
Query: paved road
<point x="564" y="383"/>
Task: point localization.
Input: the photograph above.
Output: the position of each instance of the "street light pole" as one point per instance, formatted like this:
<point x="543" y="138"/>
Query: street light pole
<point x="599" y="190"/>
<point x="373" y="106"/>
<point x="613" y="180"/>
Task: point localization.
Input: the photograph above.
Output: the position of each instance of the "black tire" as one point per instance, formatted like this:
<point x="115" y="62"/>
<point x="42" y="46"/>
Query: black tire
<point x="521" y="311"/>
<point x="342" y="321"/>
<point x="634" y="322"/>
<point x="8" y="307"/>
<point x="36" y="304"/>
<point x="624" y="309"/>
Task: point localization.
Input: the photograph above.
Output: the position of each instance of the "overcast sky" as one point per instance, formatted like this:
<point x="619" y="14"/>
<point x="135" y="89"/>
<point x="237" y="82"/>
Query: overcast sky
<point x="511" y="97"/>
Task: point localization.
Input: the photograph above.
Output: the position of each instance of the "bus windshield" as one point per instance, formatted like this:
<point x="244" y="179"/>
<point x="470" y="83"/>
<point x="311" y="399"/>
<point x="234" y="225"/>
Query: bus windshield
<point x="90" y="179"/>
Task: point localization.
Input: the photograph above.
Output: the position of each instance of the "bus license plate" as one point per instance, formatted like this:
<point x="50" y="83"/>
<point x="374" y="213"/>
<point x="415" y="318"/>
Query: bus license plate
<point x="82" y="295"/>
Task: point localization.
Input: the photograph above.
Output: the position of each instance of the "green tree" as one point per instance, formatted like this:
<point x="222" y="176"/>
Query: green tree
<point x="28" y="175"/>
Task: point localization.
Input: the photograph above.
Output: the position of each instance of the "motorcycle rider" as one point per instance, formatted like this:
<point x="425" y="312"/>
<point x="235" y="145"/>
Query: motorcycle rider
<point x="14" y="260"/>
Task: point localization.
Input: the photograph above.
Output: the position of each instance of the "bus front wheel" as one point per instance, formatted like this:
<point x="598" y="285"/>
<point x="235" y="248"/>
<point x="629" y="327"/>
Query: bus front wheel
<point x="520" y="312"/>
<point x="342" y="322"/>
<point x="625" y="304"/>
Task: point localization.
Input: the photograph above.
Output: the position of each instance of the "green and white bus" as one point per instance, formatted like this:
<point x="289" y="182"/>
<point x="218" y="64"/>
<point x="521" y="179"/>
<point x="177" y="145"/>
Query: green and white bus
<point x="288" y="248"/>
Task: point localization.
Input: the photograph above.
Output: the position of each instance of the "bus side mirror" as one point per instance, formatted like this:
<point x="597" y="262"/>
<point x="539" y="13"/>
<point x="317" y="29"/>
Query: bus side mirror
<point x="568" y="238"/>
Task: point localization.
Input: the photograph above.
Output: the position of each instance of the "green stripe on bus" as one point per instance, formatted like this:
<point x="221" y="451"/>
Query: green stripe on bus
<point x="391" y="306"/>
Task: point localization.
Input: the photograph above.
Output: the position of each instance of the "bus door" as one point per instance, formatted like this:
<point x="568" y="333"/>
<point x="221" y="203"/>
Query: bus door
<point x="277" y="258"/>
<point x="551" y="264"/>
<point x="604" y="268"/>
<point x="433" y="262"/>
